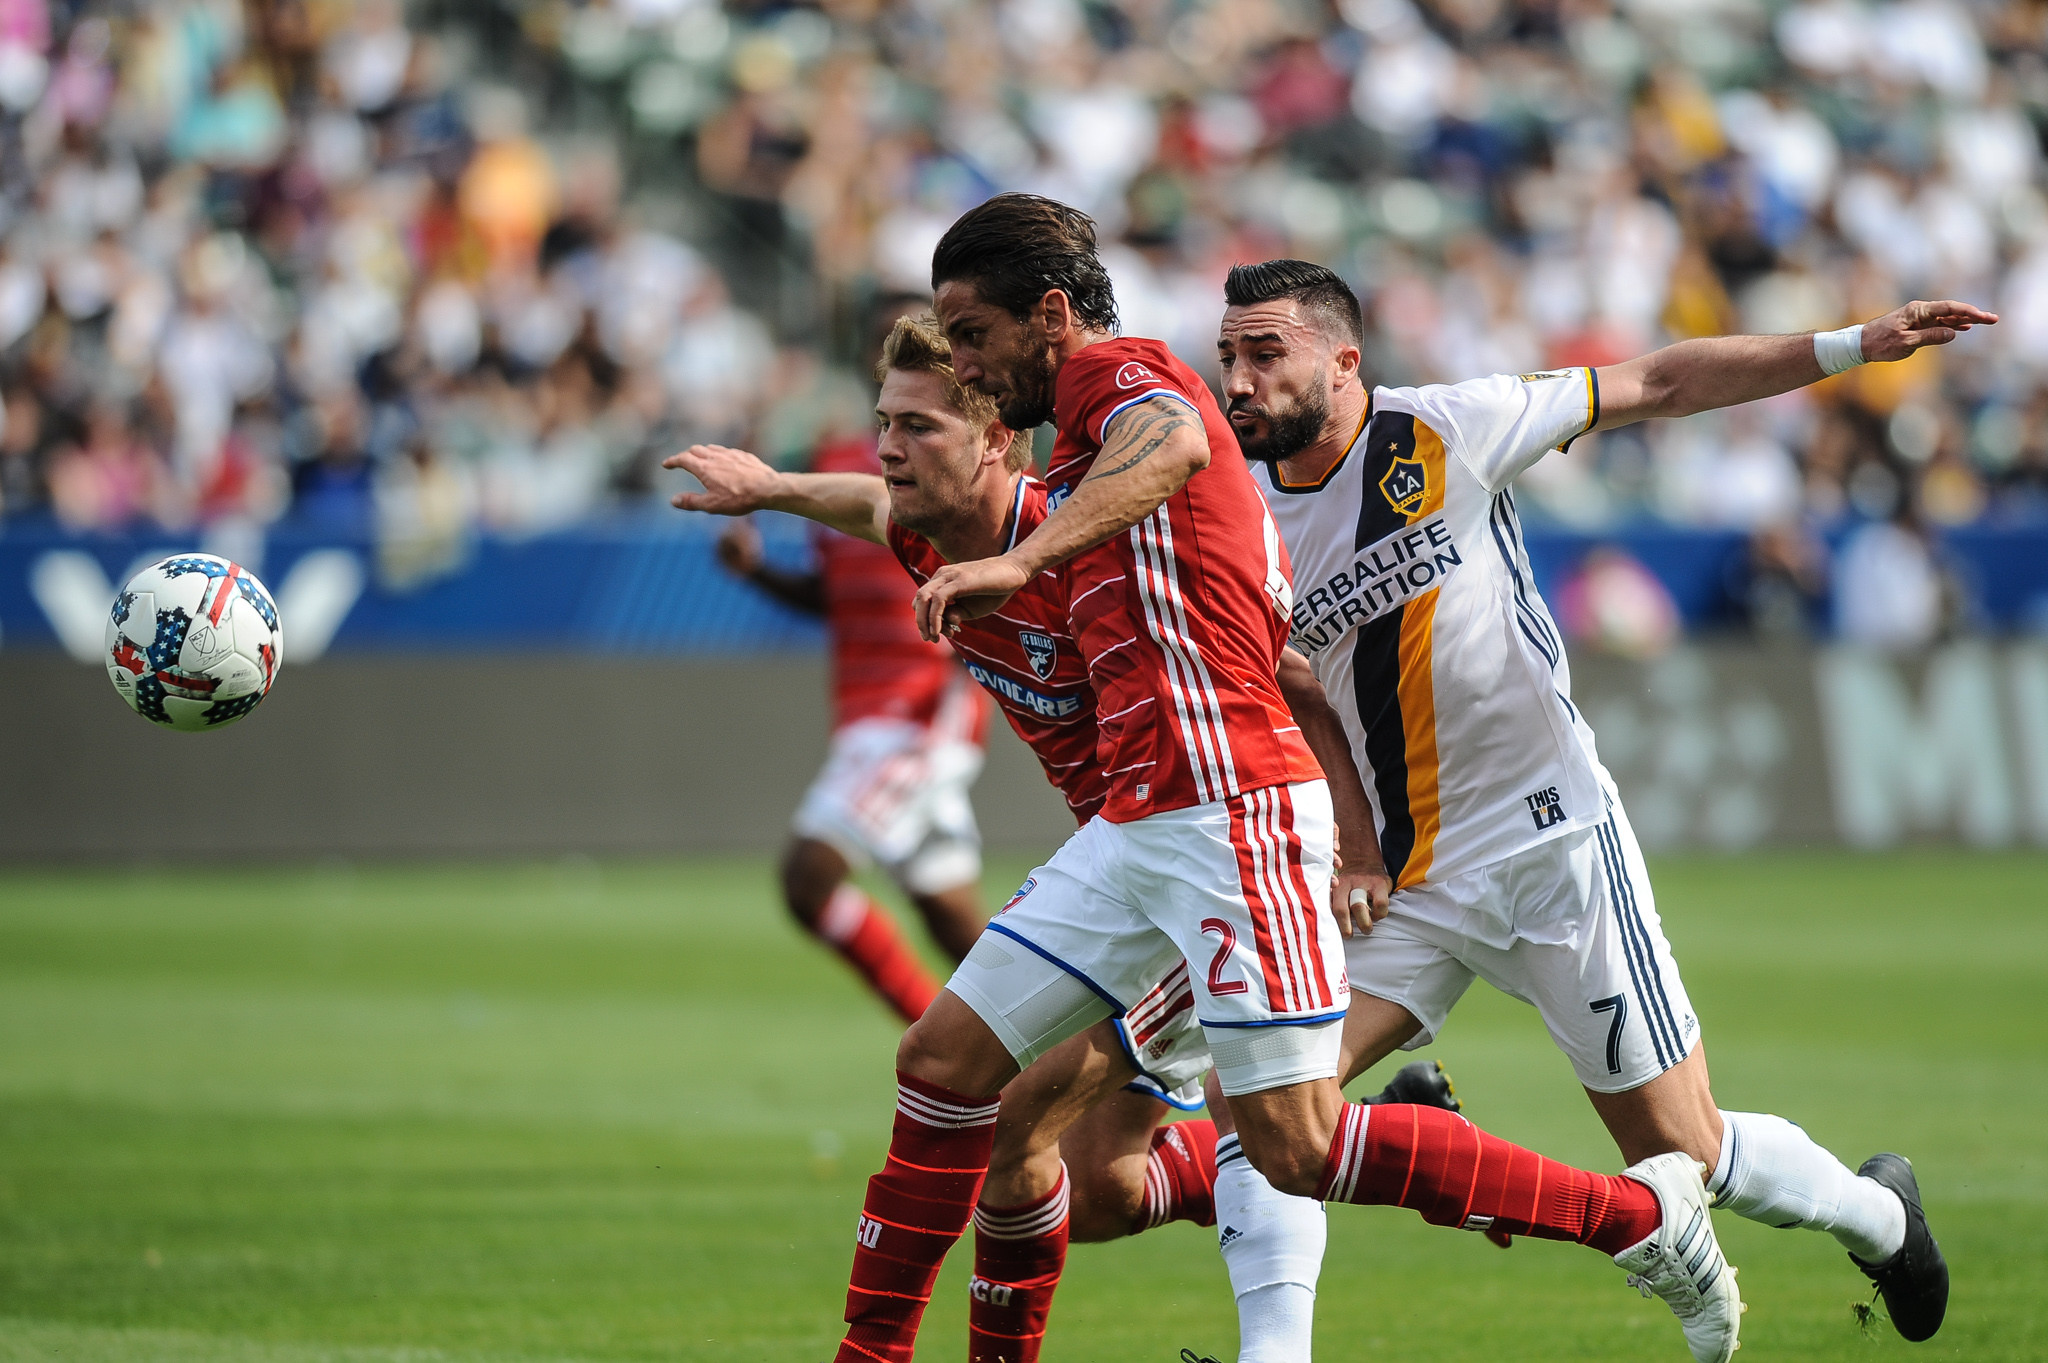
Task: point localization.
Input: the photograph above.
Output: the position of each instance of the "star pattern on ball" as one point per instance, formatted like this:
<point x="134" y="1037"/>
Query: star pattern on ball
<point x="258" y="598"/>
<point x="222" y="711"/>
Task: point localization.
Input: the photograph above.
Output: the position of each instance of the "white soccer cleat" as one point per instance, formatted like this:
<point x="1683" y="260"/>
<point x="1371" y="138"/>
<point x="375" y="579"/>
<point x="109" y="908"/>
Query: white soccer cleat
<point x="1682" y="1261"/>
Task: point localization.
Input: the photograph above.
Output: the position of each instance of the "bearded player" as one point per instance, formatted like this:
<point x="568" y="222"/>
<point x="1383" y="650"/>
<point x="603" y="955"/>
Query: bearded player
<point x="1214" y="847"/>
<point x="907" y="731"/>
<point x="956" y="474"/>
<point x="1513" y="859"/>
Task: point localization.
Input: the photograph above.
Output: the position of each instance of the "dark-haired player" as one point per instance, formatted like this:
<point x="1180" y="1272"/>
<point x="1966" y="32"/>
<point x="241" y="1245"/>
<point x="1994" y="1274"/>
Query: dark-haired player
<point x="1215" y="843"/>
<point x="954" y="485"/>
<point x="1512" y="858"/>
<point x="907" y="729"/>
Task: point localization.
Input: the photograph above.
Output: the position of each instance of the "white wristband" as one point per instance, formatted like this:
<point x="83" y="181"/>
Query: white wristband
<point x="1838" y="350"/>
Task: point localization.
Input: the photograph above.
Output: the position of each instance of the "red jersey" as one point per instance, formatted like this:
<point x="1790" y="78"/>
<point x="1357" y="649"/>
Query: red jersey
<point x="1026" y="657"/>
<point x="1182" y="618"/>
<point x="881" y="668"/>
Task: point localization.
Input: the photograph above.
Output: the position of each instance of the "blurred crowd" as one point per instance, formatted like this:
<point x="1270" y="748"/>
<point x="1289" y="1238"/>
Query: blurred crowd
<point x="444" y="267"/>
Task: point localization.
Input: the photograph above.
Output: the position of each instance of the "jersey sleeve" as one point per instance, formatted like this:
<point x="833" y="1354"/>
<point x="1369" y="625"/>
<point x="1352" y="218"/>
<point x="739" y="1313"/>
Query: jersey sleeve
<point x="1501" y="425"/>
<point x="1104" y="381"/>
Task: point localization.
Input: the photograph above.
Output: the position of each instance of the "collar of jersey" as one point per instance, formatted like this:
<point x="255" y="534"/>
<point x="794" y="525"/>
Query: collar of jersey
<point x="1331" y="472"/>
<point x="1017" y="510"/>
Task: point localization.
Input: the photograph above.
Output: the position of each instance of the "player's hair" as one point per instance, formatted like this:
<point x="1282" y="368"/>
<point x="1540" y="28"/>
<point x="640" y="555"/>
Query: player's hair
<point x="1016" y="247"/>
<point x="916" y="345"/>
<point x="1317" y="288"/>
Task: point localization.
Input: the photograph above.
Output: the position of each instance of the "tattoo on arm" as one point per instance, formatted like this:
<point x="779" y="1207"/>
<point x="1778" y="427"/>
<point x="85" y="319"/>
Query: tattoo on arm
<point x="1154" y="427"/>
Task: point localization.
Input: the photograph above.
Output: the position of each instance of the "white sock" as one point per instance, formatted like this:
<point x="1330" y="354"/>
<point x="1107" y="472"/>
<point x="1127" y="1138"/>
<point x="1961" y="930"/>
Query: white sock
<point x="1771" y="1171"/>
<point x="1273" y="1246"/>
<point x="1276" y="1323"/>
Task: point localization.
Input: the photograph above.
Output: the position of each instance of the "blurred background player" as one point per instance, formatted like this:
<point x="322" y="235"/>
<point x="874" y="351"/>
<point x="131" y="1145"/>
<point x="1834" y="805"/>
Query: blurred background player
<point x="907" y="734"/>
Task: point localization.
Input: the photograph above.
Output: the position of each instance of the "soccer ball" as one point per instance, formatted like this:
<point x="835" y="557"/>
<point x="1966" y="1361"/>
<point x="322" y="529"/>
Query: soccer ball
<point x="193" y="642"/>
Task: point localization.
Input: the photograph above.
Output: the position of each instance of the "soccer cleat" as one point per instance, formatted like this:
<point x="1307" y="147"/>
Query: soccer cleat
<point x="1682" y="1261"/>
<point x="1423" y="1083"/>
<point x="1190" y="1356"/>
<point x="1913" y="1282"/>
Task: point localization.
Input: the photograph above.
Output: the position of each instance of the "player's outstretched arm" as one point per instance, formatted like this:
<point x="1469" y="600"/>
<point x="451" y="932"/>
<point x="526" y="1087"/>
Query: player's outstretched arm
<point x="1148" y="453"/>
<point x="1722" y="371"/>
<point x="737" y="483"/>
<point x="1361" y="871"/>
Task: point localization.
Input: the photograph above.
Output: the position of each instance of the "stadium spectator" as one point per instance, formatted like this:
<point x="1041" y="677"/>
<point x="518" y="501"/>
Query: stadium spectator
<point x="277" y="203"/>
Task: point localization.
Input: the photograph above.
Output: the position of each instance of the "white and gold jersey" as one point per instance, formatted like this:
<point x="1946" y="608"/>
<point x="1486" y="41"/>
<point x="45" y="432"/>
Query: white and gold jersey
<point x="1414" y="602"/>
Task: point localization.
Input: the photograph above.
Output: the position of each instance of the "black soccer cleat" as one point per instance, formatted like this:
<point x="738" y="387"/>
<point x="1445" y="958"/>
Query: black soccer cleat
<point x="1190" y="1356"/>
<point x="1913" y="1282"/>
<point x="1423" y="1083"/>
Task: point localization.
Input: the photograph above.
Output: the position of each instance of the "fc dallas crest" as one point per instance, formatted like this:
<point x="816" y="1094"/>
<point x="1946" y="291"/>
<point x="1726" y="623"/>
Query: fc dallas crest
<point x="1039" y="651"/>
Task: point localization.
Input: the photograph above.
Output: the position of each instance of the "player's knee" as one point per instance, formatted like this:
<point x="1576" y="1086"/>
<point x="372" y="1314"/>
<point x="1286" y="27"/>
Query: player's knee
<point x="1100" y="1208"/>
<point x="1292" y="1167"/>
<point x="937" y="1051"/>
<point x="920" y="1053"/>
<point x="807" y="883"/>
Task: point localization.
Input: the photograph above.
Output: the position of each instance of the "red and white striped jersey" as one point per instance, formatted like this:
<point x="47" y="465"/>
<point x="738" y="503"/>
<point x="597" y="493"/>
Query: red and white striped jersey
<point x="1181" y="619"/>
<point x="1025" y="656"/>
<point x="881" y="667"/>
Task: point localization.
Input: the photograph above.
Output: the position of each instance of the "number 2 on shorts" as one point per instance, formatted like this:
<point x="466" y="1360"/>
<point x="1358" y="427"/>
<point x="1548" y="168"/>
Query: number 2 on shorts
<point x="1217" y="984"/>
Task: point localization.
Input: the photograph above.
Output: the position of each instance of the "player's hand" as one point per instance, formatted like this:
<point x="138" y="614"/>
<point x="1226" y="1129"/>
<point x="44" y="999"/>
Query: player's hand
<point x="960" y="592"/>
<point x="735" y="482"/>
<point x="739" y="548"/>
<point x="1359" y="896"/>
<point x="1904" y="330"/>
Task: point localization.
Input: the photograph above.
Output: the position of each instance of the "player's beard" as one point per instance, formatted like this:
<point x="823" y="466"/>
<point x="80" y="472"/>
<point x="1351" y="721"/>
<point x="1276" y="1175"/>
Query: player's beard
<point x="1288" y="431"/>
<point x="1028" y="403"/>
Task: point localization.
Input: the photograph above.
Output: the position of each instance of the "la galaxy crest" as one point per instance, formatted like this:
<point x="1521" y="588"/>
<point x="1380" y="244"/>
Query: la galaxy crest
<point x="1039" y="651"/>
<point x="1405" y="484"/>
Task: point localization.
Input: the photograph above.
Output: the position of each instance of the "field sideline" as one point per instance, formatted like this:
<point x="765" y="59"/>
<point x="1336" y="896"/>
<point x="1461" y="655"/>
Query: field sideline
<point x="575" y="1111"/>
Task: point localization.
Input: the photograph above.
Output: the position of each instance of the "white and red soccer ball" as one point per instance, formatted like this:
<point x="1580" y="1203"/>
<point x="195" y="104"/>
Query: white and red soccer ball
<point x="193" y="642"/>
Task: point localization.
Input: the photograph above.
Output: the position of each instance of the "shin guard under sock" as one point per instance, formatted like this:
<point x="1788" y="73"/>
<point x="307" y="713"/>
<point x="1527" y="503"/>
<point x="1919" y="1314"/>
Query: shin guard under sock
<point x="1773" y="1172"/>
<point x="915" y="1209"/>
<point x="1018" y="1255"/>
<point x="1273" y="1247"/>
<point x="1180" y="1176"/>
<point x="1437" y="1163"/>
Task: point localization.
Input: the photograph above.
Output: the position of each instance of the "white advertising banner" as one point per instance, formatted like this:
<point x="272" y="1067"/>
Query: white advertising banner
<point x="1732" y="745"/>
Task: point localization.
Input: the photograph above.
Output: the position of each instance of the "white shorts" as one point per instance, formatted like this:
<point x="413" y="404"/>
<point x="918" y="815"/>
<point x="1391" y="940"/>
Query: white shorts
<point x="1163" y="1039"/>
<point x="894" y="794"/>
<point x="1237" y="890"/>
<point x="1568" y="926"/>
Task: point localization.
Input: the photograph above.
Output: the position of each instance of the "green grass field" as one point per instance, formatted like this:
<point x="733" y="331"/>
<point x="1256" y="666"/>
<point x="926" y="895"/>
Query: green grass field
<point x="557" y="1112"/>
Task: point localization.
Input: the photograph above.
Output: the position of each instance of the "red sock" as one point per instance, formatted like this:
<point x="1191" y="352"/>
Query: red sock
<point x="1180" y="1178"/>
<point x="1018" y="1255"/>
<point x="1441" y="1165"/>
<point x="858" y="929"/>
<point x="915" y="1209"/>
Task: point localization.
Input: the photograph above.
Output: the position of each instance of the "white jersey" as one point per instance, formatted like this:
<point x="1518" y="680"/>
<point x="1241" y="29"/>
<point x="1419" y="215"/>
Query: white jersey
<point x="1414" y="602"/>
